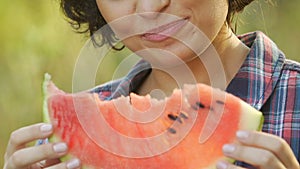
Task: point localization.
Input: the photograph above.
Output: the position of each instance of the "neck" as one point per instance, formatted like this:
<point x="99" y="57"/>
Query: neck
<point x="216" y="66"/>
<point x="232" y="52"/>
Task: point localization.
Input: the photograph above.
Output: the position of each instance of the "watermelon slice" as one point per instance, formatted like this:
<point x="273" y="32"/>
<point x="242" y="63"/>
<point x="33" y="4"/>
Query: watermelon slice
<point x="183" y="131"/>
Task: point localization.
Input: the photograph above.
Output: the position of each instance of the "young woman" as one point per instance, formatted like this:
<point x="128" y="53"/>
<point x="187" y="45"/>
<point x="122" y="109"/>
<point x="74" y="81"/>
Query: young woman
<point x="252" y="68"/>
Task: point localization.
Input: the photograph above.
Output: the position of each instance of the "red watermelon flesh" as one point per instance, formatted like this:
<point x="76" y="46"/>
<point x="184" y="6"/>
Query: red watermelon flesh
<point x="184" y="131"/>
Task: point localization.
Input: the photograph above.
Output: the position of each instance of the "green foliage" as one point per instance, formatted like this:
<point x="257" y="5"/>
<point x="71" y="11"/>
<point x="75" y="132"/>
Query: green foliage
<point x="279" y="20"/>
<point x="34" y="39"/>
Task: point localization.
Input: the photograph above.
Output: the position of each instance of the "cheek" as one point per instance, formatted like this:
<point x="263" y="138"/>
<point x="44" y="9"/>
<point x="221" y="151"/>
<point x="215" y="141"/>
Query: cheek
<point x="112" y="10"/>
<point x="212" y="17"/>
<point x="133" y="43"/>
<point x="115" y="12"/>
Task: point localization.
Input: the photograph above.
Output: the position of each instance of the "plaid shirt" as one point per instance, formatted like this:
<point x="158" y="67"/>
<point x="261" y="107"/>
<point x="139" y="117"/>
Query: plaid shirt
<point x="267" y="81"/>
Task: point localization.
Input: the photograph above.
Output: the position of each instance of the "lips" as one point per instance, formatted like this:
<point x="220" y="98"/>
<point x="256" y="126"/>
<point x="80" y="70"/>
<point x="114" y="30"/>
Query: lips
<point x="165" y="31"/>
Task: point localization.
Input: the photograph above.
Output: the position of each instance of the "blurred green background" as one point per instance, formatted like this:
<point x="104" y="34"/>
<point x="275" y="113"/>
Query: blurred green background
<point x="34" y="39"/>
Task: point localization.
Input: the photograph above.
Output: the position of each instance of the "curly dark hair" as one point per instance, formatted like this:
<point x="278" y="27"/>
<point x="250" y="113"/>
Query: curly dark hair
<point x="84" y="17"/>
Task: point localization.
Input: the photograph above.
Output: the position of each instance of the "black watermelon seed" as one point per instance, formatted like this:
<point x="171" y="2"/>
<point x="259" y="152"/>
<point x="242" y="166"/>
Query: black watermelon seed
<point x="171" y="130"/>
<point x="179" y="120"/>
<point x="172" y="117"/>
<point x="200" y="105"/>
<point x="220" y="102"/>
<point x="184" y="115"/>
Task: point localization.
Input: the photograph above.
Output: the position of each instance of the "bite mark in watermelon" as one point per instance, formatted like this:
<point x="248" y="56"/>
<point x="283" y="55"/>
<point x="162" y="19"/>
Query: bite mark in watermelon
<point x="183" y="131"/>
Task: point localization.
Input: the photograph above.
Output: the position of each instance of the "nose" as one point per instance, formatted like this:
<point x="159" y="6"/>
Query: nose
<point x="151" y="8"/>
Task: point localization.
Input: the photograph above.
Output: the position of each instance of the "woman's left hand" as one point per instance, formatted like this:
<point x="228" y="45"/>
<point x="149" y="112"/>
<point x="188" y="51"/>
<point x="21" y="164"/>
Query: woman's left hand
<point x="261" y="150"/>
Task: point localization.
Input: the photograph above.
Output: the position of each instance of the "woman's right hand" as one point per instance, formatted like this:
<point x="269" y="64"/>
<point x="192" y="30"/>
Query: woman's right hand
<point x="19" y="156"/>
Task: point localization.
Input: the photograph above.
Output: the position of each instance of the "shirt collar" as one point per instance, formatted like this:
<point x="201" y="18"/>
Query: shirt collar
<point x="133" y="79"/>
<point x="257" y="77"/>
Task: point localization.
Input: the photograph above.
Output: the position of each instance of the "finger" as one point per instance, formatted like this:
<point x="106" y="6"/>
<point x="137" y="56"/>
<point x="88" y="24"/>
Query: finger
<point x="253" y="155"/>
<point x="45" y="163"/>
<point x="22" y="136"/>
<point x="71" y="164"/>
<point x="50" y="162"/>
<point x="275" y="144"/>
<point x="226" y="165"/>
<point x="28" y="156"/>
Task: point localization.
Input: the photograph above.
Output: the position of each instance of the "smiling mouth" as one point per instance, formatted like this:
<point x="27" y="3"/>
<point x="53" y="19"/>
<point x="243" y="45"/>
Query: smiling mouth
<point x="165" y="31"/>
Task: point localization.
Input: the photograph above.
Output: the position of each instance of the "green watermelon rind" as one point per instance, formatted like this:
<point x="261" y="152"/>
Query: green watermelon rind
<point x="47" y="79"/>
<point x="46" y="117"/>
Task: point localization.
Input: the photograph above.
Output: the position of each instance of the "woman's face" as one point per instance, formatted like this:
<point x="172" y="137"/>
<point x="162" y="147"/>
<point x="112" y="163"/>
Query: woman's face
<point x="173" y="26"/>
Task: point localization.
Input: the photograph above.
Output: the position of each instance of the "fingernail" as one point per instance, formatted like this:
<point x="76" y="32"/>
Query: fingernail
<point x="221" y="165"/>
<point x="46" y="128"/>
<point x="60" y="147"/>
<point x="75" y="163"/>
<point x="242" y="134"/>
<point x="228" y="148"/>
